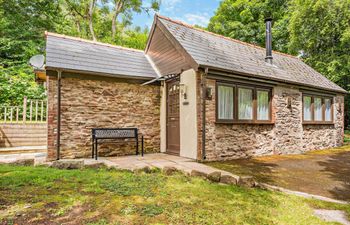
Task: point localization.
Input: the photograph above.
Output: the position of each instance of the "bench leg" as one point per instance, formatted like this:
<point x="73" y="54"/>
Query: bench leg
<point x="96" y="151"/>
<point x="137" y="145"/>
<point x="92" y="148"/>
<point x="142" y="145"/>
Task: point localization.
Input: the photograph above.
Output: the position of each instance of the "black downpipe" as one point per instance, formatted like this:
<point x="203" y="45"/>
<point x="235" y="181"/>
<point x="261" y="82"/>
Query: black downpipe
<point x="204" y="90"/>
<point x="58" y="114"/>
<point x="268" y="41"/>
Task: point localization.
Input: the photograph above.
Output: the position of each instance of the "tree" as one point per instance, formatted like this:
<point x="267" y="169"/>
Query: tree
<point x="22" y="25"/>
<point x="321" y="29"/>
<point x="128" y="6"/>
<point x="244" y="20"/>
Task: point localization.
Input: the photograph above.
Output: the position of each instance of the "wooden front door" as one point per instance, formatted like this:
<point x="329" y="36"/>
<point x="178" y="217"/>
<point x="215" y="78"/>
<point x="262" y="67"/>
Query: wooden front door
<point x="173" y="117"/>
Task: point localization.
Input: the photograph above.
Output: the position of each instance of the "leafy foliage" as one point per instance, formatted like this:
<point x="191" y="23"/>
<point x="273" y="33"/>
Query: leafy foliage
<point x="22" y="25"/>
<point x="320" y="29"/>
<point x="244" y="20"/>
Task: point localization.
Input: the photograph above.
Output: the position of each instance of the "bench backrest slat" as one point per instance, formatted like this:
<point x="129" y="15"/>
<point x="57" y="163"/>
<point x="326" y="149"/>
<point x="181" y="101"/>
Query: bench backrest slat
<point x="110" y="133"/>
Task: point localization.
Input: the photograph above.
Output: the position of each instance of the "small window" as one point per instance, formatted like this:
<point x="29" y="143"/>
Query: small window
<point x="307" y="108"/>
<point x="245" y="104"/>
<point x="263" y="108"/>
<point x="317" y="109"/>
<point x="225" y="102"/>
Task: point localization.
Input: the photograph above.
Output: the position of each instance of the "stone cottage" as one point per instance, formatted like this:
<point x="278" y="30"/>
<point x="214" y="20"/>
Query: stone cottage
<point x="190" y="93"/>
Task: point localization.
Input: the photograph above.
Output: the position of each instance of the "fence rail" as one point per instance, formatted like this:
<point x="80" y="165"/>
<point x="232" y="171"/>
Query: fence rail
<point x="32" y="111"/>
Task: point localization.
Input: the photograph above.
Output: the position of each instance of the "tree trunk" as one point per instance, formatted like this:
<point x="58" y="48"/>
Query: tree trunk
<point x="91" y="26"/>
<point x="118" y="5"/>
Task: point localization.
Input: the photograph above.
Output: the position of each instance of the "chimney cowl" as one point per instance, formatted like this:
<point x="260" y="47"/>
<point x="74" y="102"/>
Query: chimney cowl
<point x="268" y="41"/>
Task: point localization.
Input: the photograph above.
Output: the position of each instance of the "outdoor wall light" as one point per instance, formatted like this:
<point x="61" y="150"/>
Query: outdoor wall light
<point x="209" y="93"/>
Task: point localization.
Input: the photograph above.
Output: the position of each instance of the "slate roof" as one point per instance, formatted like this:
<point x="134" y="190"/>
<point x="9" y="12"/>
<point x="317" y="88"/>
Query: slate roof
<point x="216" y="51"/>
<point x="76" y="54"/>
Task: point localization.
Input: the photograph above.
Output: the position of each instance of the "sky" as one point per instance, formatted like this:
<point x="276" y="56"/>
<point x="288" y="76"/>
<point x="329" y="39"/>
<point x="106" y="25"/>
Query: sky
<point x="189" y="11"/>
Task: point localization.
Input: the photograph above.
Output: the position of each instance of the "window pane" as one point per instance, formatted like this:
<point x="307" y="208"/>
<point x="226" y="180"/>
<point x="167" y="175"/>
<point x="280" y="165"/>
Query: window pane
<point x="318" y="109"/>
<point x="307" y="108"/>
<point x="263" y="105"/>
<point x="328" y="106"/>
<point x="245" y="104"/>
<point x="225" y="102"/>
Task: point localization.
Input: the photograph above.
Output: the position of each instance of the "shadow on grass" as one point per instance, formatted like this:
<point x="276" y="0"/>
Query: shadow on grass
<point x="338" y="168"/>
<point x="261" y="171"/>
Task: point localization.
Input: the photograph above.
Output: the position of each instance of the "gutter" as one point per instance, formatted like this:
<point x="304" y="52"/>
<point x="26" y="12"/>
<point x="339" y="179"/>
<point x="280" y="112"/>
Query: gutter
<point x="204" y="90"/>
<point x="59" y="75"/>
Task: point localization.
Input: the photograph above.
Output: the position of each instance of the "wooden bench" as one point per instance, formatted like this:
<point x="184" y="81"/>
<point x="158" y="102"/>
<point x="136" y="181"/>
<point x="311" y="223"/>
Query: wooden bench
<point x="115" y="134"/>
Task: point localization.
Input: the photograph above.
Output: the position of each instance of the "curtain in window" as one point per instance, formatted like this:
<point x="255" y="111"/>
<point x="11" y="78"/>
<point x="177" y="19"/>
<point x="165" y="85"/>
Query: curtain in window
<point x="263" y="105"/>
<point x="225" y="102"/>
<point x="245" y="104"/>
<point x="307" y="108"/>
<point x="318" y="109"/>
<point x="328" y="106"/>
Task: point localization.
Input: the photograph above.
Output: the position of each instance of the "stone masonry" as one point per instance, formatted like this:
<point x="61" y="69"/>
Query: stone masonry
<point x="93" y="103"/>
<point x="286" y="136"/>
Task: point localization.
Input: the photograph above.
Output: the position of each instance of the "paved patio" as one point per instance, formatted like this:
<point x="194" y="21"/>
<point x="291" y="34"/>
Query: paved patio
<point x="39" y="157"/>
<point x="157" y="160"/>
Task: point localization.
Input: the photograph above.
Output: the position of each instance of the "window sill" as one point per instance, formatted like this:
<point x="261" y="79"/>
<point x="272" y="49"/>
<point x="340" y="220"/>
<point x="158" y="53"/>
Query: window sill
<point x="318" y="123"/>
<point x="246" y="122"/>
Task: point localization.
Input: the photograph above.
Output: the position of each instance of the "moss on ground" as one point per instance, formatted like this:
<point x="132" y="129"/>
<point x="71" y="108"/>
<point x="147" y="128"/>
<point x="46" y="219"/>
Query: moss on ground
<point x="37" y="195"/>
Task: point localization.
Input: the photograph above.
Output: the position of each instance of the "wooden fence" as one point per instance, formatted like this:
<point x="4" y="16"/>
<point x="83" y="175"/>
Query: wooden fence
<point x="23" y="134"/>
<point x="32" y="111"/>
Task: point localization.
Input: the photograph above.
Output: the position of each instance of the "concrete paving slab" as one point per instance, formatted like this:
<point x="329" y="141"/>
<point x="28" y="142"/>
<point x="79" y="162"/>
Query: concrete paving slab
<point x="332" y="216"/>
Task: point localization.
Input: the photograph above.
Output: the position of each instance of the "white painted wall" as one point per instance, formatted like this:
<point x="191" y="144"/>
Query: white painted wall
<point x="188" y="115"/>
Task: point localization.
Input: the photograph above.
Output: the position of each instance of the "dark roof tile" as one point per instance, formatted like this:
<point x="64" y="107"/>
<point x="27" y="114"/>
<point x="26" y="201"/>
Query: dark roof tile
<point x="94" y="57"/>
<point x="216" y="51"/>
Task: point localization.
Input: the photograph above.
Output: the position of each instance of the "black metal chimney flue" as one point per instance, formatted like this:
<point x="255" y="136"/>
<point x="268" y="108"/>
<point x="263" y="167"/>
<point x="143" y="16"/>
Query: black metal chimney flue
<point x="268" y="41"/>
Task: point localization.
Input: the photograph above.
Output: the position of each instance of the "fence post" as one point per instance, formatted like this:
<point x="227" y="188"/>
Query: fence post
<point x="24" y="109"/>
<point x="42" y="111"/>
<point x="30" y="110"/>
<point x="17" y="114"/>
<point x="11" y="114"/>
<point x="36" y="110"/>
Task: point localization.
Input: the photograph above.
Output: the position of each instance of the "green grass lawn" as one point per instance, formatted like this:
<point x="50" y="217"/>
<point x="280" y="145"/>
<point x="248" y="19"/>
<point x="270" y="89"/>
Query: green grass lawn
<point x="40" y="195"/>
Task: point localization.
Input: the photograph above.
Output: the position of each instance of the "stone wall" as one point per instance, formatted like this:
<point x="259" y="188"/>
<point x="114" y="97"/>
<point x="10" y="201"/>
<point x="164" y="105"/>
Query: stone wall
<point x="92" y="103"/>
<point x="286" y="136"/>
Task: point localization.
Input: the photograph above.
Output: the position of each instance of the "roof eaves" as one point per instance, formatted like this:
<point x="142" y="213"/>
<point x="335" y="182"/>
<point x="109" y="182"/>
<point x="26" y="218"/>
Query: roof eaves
<point x="150" y="36"/>
<point x="341" y="90"/>
<point x="98" y="73"/>
<point x="154" y="67"/>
